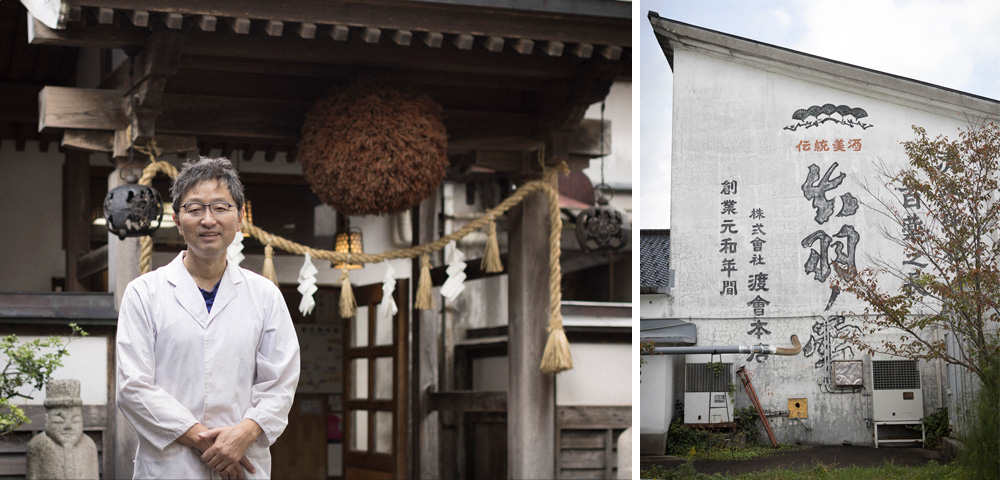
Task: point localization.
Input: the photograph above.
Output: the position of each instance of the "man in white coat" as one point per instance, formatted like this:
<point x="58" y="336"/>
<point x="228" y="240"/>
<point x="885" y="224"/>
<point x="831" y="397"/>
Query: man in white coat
<point x="208" y="358"/>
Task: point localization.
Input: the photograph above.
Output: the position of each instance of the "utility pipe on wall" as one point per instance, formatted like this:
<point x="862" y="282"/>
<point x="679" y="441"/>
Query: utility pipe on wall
<point x="744" y="349"/>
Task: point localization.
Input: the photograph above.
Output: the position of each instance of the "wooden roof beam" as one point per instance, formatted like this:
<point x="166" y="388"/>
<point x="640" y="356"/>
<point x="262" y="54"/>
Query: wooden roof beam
<point x="492" y="44"/>
<point x="340" y="33"/>
<point x="524" y="46"/>
<point x="433" y="39"/>
<point x="207" y="23"/>
<point x="306" y="30"/>
<point x="76" y="35"/>
<point x="371" y="35"/>
<point x="463" y="41"/>
<point x="553" y="48"/>
<point x="139" y="18"/>
<point x="239" y="25"/>
<point x="375" y="56"/>
<point x="241" y="119"/>
<point x="613" y="28"/>
<point x="583" y="50"/>
<point x="173" y="21"/>
<point x="274" y="28"/>
<point x="105" y="16"/>
<point x="402" y="37"/>
<point x="104" y="141"/>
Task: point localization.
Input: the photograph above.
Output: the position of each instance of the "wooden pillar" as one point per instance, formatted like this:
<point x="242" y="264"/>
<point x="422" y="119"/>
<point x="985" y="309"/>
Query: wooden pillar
<point x="76" y="214"/>
<point x="123" y="267"/>
<point x="531" y="393"/>
<point x="123" y="255"/>
<point x="426" y="336"/>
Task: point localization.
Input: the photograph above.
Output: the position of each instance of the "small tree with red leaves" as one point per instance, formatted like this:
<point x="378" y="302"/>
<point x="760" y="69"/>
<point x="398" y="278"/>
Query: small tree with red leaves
<point x="944" y="211"/>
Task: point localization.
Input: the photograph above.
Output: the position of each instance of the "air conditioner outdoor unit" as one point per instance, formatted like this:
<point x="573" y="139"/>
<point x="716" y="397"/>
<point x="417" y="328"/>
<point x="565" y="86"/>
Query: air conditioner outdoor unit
<point x="897" y="399"/>
<point x="706" y="393"/>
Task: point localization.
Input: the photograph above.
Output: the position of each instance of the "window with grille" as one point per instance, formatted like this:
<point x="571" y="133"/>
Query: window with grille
<point x="895" y="374"/>
<point x="701" y="378"/>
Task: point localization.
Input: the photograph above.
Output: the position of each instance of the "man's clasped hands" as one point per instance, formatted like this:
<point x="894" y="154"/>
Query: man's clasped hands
<point x="223" y="449"/>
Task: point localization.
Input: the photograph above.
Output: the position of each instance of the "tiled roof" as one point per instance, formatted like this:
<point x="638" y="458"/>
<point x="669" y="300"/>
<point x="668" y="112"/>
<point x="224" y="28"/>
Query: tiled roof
<point x="654" y="261"/>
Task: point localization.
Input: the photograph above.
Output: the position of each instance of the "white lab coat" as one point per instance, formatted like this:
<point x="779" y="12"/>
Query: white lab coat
<point x="179" y="365"/>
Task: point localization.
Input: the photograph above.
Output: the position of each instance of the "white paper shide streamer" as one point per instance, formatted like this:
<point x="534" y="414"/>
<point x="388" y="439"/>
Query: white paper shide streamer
<point x="387" y="309"/>
<point x="455" y="283"/>
<point x="307" y="285"/>
<point x="235" y="251"/>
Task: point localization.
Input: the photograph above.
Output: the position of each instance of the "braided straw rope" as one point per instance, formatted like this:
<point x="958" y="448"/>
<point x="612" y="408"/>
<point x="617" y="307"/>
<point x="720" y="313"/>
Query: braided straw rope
<point x="556" y="357"/>
<point x="148" y="173"/>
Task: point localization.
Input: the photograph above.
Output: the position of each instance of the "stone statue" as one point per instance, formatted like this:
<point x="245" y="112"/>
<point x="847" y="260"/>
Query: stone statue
<point x="63" y="451"/>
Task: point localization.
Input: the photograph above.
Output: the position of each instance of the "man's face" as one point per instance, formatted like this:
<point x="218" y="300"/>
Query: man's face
<point x="209" y="234"/>
<point x="64" y="425"/>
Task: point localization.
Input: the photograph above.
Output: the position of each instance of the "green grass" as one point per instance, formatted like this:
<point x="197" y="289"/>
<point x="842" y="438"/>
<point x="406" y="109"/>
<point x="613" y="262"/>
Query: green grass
<point x="818" y="471"/>
<point x="750" y="452"/>
<point x="888" y="471"/>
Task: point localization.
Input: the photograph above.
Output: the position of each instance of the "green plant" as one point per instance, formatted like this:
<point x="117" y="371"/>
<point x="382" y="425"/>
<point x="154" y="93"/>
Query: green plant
<point x="715" y="367"/>
<point x="28" y="363"/>
<point x="732" y="392"/>
<point x="935" y="426"/>
<point x="746" y="423"/>
<point x="654" y="472"/>
<point x="681" y="439"/>
<point x="947" y="208"/>
<point x="980" y="458"/>
<point x="685" y="471"/>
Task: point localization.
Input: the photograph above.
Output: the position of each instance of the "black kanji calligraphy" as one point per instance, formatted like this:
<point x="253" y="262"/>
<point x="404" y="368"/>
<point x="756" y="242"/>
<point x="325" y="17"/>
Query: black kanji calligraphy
<point x="819" y="261"/>
<point x="758" y="305"/>
<point x="815" y="189"/>
<point x="757" y="328"/>
<point x="729" y="187"/>
<point x="757" y="282"/>
<point x="728" y="266"/>
<point x="728" y="207"/>
<point x="728" y="246"/>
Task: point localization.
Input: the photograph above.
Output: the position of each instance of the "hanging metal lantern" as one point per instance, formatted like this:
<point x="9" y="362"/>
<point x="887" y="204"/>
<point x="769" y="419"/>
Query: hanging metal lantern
<point x="131" y="209"/>
<point x="602" y="228"/>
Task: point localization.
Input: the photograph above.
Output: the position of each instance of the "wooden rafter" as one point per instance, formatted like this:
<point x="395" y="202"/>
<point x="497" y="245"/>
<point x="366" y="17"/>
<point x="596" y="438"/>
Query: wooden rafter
<point x="262" y="119"/>
<point x="414" y="16"/>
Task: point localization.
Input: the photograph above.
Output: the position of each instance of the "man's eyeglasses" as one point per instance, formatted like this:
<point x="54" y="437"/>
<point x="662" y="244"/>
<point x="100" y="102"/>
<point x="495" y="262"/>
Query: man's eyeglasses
<point x="197" y="209"/>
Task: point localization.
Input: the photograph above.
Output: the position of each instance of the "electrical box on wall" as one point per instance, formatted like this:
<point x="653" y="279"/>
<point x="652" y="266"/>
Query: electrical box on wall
<point x="896" y="395"/>
<point x="847" y="373"/>
<point x="798" y="408"/>
<point x="706" y="393"/>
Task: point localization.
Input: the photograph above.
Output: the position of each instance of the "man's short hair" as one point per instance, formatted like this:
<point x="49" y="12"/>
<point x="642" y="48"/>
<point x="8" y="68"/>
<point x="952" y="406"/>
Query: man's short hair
<point x="197" y="170"/>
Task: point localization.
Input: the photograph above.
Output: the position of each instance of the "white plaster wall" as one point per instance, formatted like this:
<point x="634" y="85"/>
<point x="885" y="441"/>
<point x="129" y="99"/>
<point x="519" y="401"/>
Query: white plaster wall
<point x="729" y="121"/>
<point x="31" y="200"/>
<point x="601" y="375"/>
<point x="656" y="394"/>
<point x="618" y="109"/>
<point x="655" y="306"/>
<point x="85" y="362"/>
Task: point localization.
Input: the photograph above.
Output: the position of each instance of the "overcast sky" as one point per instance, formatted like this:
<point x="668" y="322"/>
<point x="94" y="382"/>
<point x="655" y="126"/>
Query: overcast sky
<point x="951" y="43"/>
